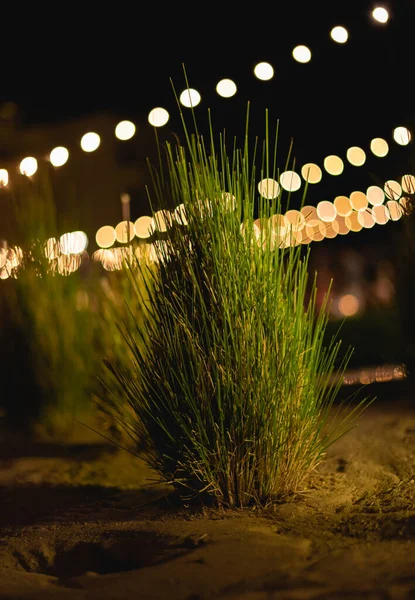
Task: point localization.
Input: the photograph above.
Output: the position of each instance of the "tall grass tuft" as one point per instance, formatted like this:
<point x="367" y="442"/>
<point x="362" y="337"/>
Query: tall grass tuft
<point x="231" y="387"/>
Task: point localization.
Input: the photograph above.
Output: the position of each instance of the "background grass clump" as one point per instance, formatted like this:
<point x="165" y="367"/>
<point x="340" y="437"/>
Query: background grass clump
<point x="231" y="385"/>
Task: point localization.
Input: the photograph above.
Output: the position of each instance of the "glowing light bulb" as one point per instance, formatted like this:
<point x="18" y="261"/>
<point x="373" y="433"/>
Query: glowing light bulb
<point x="90" y="141"/>
<point x="264" y="71"/>
<point x="59" y="156"/>
<point x="290" y="181"/>
<point x="28" y="166"/>
<point x="144" y="227"/>
<point x="339" y="34"/>
<point x="302" y="54"/>
<point x="356" y="156"/>
<point x="158" y="117"/>
<point x="125" y="130"/>
<point x="269" y="188"/>
<point x="226" y="88"/>
<point x="333" y="164"/>
<point x="379" y="147"/>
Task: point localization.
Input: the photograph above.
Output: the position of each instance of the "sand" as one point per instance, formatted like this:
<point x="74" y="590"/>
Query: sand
<point x="86" y="521"/>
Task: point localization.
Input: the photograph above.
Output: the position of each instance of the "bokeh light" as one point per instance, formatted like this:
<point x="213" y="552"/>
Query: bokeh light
<point x="379" y="147"/>
<point x="356" y="156"/>
<point x="124" y="232"/>
<point x="311" y="173"/>
<point x="28" y="166"/>
<point x="365" y="218"/>
<point x="408" y="184"/>
<point x="190" y="98"/>
<point x="310" y="214"/>
<point x="4" y="177"/>
<point x="331" y="229"/>
<point x="179" y="214"/>
<point x="59" y="156"/>
<point x="105" y="236"/>
<point x="52" y="248"/>
<point x="339" y="34"/>
<point x="158" y="116"/>
<point x="380" y="14"/>
<point x="343" y="228"/>
<point x="90" y="141"/>
<point x="395" y="210"/>
<point x="125" y="130"/>
<point x="353" y="223"/>
<point x="162" y="220"/>
<point x="375" y="195"/>
<point x="333" y="164"/>
<point x="264" y="71"/>
<point x="402" y="136"/>
<point x="380" y="214"/>
<point x="73" y="243"/>
<point x="358" y="201"/>
<point x="226" y="88"/>
<point x="295" y="219"/>
<point x="269" y="188"/>
<point x="393" y="189"/>
<point x="348" y="305"/>
<point x="144" y="227"/>
<point x="326" y="211"/>
<point x="343" y="206"/>
<point x="302" y="54"/>
<point x="290" y="181"/>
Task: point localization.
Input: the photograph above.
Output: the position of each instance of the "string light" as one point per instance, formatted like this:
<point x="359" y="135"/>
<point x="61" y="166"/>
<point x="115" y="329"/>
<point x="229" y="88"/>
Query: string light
<point x="380" y="14"/>
<point x="302" y="54"/>
<point x="226" y="88"/>
<point x="264" y="71"/>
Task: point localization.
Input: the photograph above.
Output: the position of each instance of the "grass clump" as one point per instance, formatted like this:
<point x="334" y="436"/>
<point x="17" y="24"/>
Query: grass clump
<point x="231" y="385"/>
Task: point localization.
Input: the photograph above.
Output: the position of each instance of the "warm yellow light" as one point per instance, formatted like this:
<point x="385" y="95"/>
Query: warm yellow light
<point x="295" y="220"/>
<point x="348" y="305"/>
<point x="380" y="14"/>
<point x="356" y="156"/>
<point x="158" y="116"/>
<point x="226" y="88"/>
<point x="358" y="201"/>
<point x="90" y="141"/>
<point x="311" y="173"/>
<point x="125" y="130"/>
<point x="179" y="214"/>
<point x="375" y="195"/>
<point x="52" y="248"/>
<point x="310" y="214"/>
<point x="380" y="214"/>
<point x="339" y="34"/>
<point x="162" y="220"/>
<point x="144" y="227"/>
<point x="290" y="181"/>
<point x="333" y="164"/>
<point x="343" y="206"/>
<point x="73" y="243"/>
<point x="315" y="232"/>
<point x="28" y="166"/>
<point x="124" y="232"/>
<point x="105" y="236"/>
<point x="302" y="54"/>
<point x="4" y="177"/>
<point x="402" y="136"/>
<point x="343" y="228"/>
<point x="353" y="223"/>
<point x="326" y="211"/>
<point x="269" y="188"/>
<point x="408" y="184"/>
<point x="393" y="189"/>
<point x="331" y="229"/>
<point x="190" y="97"/>
<point x="379" y="147"/>
<point x="68" y="264"/>
<point x="264" y="71"/>
<point x="366" y="218"/>
<point x="395" y="210"/>
<point x="59" y="156"/>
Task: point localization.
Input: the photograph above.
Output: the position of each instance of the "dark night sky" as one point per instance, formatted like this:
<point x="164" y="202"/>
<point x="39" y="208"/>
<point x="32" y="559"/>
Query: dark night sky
<point x="71" y="62"/>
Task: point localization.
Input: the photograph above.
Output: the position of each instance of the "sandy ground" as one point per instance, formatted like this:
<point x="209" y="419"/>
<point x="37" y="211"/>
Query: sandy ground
<point x="86" y="522"/>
